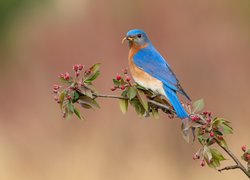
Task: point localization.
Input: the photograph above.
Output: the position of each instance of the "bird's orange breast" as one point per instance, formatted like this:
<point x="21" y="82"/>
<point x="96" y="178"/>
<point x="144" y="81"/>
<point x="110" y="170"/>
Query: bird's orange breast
<point x="140" y="76"/>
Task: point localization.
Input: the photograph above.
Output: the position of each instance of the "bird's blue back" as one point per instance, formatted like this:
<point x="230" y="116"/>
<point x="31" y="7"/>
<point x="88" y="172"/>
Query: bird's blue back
<point x="151" y="61"/>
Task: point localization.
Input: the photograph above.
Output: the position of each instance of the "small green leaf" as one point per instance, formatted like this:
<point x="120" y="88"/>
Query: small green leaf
<point x="200" y="139"/>
<point x="198" y="105"/>
<point x="71" y="107"/>
<point x="116" y="82"/>
<point x="88" y="102"/>
<point x="218" y="121"/>
<point x="124" y="93"/>
<point x="75" y="96"/>
<point x="140" y="87"/>
<point x="223" y="143"/>
<point x="123" y="105"/>
<point x="92" y="78"/>
<point x="185" y="133"/>
<point x="143" y="99"/>
<point x="78" y="114"/>
<point x="138" y="107"/>
<point x="86" y="106"/>
<point x="131" y="93"/>
<point x="68" y="112"/>
<point x="217" y="155"/>
<point x="155" y="113"/>
<point x="61" y="98"/>
<point x="226" y="128"/>
<point x="95" y="68"/>
<point x="207" y="153"/>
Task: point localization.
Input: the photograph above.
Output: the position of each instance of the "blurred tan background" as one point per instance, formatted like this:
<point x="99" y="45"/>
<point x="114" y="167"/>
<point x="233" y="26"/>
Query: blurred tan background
<point x="207" y="43"/>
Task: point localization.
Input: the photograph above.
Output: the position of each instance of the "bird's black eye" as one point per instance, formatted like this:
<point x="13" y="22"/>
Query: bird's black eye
<point x="139" y="35"/>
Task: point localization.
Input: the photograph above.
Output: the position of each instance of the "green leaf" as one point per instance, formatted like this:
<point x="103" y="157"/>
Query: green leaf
<point x="86" y="106"/>
<point x="75" y="96"/>
<point x="155" y="113"/>
<point x="123" y="105"/>
<point x="131" y="93"/>
<point x="61" y="98"/>
<point x="78" y="114"/>
<point x="71" y="107"/>
<point x="68" y="112"/>
<point x="198" y="105"/>
<point x="140" y="87"/>
<point x="223" y="143"/>
<point x="185" y="133"/>
<point x="217" y="155"/>
<point x="116" y="82"/>
<point x="207" y="153"/>
<point x="218" y="121"/>
<point x="88" y="102"/>
<point x="214" y="163"/>
<point x="227" y="129"/>
<point x="138" y="107"/>
<point x="92" y="78"/>
<point x="200" y="139"/>
<point x="95" y="68"/>
<point x="143" y="99"/>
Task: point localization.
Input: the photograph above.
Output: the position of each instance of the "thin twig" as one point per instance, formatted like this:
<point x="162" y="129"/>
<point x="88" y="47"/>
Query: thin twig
<point x="149" y="100"/>
<point x="235" y="159"/>
<point x="229" y="168"/>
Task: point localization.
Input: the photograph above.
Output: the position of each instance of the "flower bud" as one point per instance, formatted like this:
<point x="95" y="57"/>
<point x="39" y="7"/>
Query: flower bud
<point x="209" y="120"/>
<point x="196" y="156"/>
<point x="69" y="97"/>
<point x="244" y="148"/>
<point x="122" y="87"/>
<point x="80" y="67"/>
<point x="202" y="163"/>
<point x="220" y="137"/>
<point x="113" y="88"/>
<point x="77" y="74"/>
<point x="75" y="67"/>
<point x="125" y="71"/>
<point x="118" y="77"/>
<point x="205" y="113"/>
<point x="66" y="76"/>
<point x="128" y="78"/>
<point x="56" y="98"/>
<point x="211" y="134"/>
<point x="56" y="87"/>
<point x="195" y="118"/>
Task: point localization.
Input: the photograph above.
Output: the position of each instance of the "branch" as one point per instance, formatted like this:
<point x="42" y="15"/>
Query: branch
<point x="235" y="159"/>
<point x="229" y="168"/>
<point x="208" y="129"/>
<point x="121" y="97"/>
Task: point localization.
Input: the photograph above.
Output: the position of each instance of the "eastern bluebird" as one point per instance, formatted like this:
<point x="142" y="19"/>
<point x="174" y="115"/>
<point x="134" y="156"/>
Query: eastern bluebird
<point x="150" y="70"/>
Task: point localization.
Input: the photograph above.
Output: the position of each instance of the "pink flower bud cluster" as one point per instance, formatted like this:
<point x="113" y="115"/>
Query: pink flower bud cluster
<point x="77" y="68"/>
<point x="65" y="76"/>
<point x="124" y="82"/>
<point x="197" y="156"/>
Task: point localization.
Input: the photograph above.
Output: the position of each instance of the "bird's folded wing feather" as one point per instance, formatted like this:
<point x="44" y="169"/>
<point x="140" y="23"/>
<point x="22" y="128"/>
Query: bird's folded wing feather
<point x="150" y="60"/>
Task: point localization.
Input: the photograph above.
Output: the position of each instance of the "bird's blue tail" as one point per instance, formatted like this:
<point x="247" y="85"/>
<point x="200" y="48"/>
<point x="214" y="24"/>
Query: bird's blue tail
<point x="174" y="100"/>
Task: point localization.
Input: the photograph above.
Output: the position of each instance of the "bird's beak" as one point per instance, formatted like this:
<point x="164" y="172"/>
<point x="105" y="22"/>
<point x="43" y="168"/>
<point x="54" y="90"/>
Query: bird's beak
<point x="127" y="38"/>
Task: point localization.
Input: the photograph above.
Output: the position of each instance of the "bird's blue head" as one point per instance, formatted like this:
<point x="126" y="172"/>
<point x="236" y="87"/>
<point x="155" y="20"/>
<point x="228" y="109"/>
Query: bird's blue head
<point x="137" y="37"/>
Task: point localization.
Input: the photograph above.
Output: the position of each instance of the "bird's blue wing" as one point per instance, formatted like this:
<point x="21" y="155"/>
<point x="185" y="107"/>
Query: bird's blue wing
<point x="151" y="61"/>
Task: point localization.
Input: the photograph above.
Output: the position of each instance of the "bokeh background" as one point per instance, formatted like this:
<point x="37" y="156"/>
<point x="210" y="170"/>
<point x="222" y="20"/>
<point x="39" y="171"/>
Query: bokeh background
<point x="207" y="44"/>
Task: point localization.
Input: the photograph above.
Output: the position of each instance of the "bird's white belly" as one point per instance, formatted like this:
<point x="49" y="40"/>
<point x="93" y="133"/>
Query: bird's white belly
<point x="153" y="84"/>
